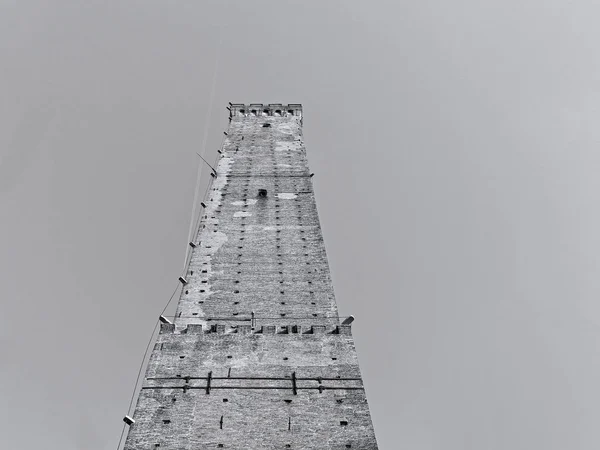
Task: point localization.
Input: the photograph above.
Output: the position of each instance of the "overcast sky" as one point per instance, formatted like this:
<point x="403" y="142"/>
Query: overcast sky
<point x="455" y="146"/>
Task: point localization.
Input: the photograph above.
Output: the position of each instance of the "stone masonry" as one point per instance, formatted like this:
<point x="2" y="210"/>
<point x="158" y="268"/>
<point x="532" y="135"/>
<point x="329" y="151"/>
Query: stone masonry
<point x="257" y="356"/>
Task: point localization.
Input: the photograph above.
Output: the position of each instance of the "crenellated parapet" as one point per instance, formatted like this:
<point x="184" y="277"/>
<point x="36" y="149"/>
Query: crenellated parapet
<point x="260" y="109"/>
<point x="168" y="328"/>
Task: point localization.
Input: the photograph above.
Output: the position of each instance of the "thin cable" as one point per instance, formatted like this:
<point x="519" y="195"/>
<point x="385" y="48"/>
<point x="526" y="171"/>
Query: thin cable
<point x="192" y="221"/>
<point x="204" y="139"/>
<point x="170" y="300"/>
<point x="213" y="169"/>
<point x="121" y="438"/>
<point x="199" y="171"/>
<point x="196" y="228"/>
<point x="212" y="93"/>
<point x="198" y="220"/>
<point x="141" y="367"/>
<point x="197" y="217"/>
<point x="137" y="381"/>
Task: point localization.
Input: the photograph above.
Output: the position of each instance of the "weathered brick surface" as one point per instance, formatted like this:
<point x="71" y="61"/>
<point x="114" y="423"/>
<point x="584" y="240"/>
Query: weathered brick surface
<point x="257" y="358"/>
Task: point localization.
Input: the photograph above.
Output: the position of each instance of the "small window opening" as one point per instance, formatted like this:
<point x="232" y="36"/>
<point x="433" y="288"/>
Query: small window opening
<point x="343" y="423"/>
<point x="166" y="421"/>
<point x="266" y="125"/>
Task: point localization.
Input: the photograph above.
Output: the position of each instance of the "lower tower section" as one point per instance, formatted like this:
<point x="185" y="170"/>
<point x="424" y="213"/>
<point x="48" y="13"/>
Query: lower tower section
<point x="243" y="389"/>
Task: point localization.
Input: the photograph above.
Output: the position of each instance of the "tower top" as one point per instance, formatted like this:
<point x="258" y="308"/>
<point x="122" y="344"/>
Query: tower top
<point x="259" y="109"/>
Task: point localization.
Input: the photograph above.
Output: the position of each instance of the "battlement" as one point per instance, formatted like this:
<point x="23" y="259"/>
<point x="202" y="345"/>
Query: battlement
<point x="166" y="328"/>
<point x="259" y="109"/>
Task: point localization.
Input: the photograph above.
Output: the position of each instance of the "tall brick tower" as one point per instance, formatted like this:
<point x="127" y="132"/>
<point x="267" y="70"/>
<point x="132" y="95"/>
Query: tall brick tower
<point x="257" y="356"/>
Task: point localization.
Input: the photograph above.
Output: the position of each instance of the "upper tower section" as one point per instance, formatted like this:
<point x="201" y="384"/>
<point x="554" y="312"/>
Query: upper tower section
<point x="259" y="256"/>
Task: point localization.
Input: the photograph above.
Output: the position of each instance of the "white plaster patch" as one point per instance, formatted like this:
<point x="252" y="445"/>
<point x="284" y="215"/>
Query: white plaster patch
<point x="214" y="240"/>
<point x="242" y="214"/>
<point x="251" y="201"/>
<point x="285" y="128"/>
<point x="282" y="147"/>
<point x="286" y="196"/>
<point x="209" y="238"/>
<point x="284" y="165"/>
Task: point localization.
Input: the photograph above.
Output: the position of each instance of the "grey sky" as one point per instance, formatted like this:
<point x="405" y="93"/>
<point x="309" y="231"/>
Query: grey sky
<point x="455" y="146"/>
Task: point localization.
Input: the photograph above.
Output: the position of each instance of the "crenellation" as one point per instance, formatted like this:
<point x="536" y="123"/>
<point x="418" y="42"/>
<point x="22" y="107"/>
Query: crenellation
<point x="261" y="110"/>
<point x="228" y="328"/>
